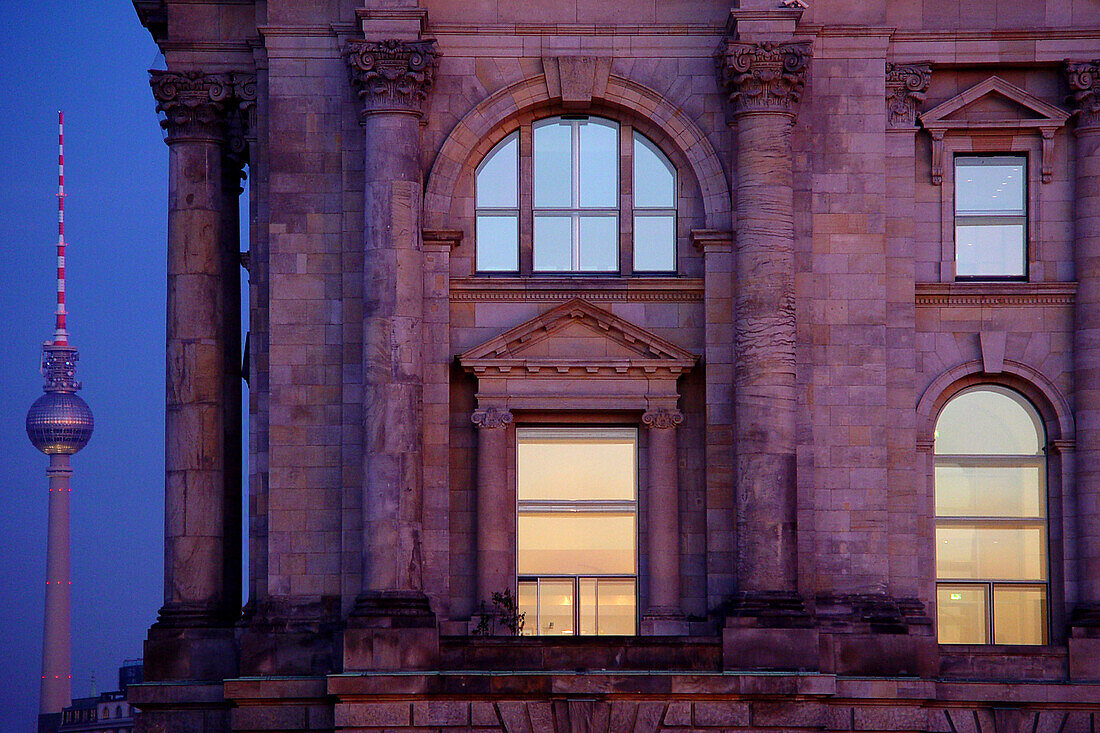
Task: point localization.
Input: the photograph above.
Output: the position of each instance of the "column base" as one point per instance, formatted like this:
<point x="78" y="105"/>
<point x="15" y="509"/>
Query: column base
<point x="174" y="652"/>
<point x="391" y="630"/>
<point x="664" y="622"/>
<point x="1084" y="642"/>
<point x="292" y="637"/>
<point x="874" y="634"/>
<point x="768" y="630"/>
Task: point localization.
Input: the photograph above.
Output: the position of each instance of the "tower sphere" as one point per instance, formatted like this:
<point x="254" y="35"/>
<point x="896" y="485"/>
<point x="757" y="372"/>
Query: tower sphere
<point x="59" y="422"/>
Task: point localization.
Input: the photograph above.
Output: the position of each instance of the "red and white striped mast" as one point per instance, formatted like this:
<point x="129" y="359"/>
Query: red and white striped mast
<point x="60" y="335"/>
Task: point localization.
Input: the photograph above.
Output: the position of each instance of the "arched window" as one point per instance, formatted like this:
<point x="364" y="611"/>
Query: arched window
<point x="570" y="210"/>
<point x="991" y="520"/>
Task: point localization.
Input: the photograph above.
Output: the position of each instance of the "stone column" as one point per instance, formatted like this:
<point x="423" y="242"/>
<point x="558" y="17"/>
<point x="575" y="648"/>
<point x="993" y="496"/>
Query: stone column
<point x="198" y="394"/>
<point x="764" y="82"/>
<point x="663" y="516"/>
<point x="495" y="567"/>
<point x="1084" y="83"/>
<point x="392" y="79"/>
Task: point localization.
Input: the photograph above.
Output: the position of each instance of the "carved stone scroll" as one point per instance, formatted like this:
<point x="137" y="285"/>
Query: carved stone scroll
<point x="194" y="103"/>
<point x="1084" y="85"/>
<point x="906" y="85"/>
<point x="392" y="76"/>
<point x="662" y="418"/>
<point x="491" y="418"/>
<point x="763" y="77"/>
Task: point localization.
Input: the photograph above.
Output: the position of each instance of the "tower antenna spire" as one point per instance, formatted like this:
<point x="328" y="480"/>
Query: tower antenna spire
<point x="60" y="334"/>
<point x="59" y="424"/>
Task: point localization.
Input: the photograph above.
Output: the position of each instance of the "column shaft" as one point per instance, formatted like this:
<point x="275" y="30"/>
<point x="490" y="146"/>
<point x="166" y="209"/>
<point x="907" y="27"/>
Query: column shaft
<point x="195" y="460"/>
<point x="1087" y="359"/>
<point x="494" y="550"/>
<point x="663" y="513"/>
<point x="392" y="380"/>
<point x="764" y="391"/>
<point x="56" y="685"/>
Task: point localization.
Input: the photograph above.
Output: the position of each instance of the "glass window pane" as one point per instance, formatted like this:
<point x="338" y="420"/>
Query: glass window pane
<point x="576" y="542"/>
<point x="599" y="243"/>
<point x="528" y="606"/>
<point x="989" y="491"/>
<point x="989" y="420"/>
<point x="571" y="466"/>
<point x="1019" y="614"/>
<point x="990" y="249"/>
<point x="654" y="181"/>
<point x="991" y="552"/>
<point x="599" y="163"/>
<point x="497" y="175"/>
<point x="587" y="607"/>
<point x="553" y="244"/>
<point x="497" y="243"/>
<point x="553" y="156"/>
<point x="616" y="601"/>
<point x="555" y="607"/>
<point x="988" y="185"/>
<point x="655" y="243"/>
<point x="961" y="614"/>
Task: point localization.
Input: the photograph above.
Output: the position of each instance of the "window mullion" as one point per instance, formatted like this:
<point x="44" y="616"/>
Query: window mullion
<point x="575" y="194"/>
<point x="526" y="198"/>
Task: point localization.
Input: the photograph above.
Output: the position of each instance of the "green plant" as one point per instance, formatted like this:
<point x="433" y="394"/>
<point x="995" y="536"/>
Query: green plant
<point x="503" y="615"/>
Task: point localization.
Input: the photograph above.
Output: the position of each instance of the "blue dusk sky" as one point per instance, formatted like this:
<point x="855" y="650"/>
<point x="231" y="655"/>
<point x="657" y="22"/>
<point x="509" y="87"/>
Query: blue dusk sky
<point x="90" y="60"/>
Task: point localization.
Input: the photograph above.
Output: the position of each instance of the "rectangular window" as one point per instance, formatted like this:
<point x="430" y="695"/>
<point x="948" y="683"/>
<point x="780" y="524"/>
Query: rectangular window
<point x="991" y="217"/>
<point x="577" y="528"/>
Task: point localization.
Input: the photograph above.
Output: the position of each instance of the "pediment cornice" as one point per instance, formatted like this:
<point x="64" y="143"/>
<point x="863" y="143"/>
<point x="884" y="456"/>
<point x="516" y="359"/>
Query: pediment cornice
<point x="542" y="347"/>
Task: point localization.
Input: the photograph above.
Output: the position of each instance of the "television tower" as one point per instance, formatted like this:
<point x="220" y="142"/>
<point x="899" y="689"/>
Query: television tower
<point x="59" y="424"/>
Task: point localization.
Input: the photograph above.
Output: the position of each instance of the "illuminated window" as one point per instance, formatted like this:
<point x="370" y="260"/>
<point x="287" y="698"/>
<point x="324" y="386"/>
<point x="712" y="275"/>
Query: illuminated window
<point x="570" y="206"/>
<point x="991" y="526"/>
<point x="991" y="217"/>
<point x="577" y="530"/>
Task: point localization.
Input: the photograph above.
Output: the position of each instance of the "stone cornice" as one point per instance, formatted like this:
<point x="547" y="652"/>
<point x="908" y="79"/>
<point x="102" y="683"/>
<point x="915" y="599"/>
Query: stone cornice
<point x="906" y="85"/>
<point x="995" y="294"/>
<point x="393" y="75"/>
<point x="1084" y="85"/>
<point x="763" y="77"/>
<point x="561" y="289"/>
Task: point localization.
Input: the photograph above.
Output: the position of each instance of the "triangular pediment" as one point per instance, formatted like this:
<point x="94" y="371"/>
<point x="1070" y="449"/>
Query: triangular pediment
<point x="577" y="337"/>
<point x="993" y="103"/>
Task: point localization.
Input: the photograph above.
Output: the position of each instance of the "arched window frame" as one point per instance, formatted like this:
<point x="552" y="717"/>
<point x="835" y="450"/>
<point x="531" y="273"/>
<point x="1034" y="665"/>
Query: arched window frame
<point x="975" y="528"/>
<point x="523" y="210"/>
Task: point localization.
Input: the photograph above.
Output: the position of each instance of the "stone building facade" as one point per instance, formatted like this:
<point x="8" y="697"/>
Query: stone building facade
<point x="745" y="359"/>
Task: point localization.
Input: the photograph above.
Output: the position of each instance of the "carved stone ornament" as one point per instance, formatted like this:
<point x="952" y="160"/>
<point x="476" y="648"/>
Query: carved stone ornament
<point x="763" y="77"/>
<point x="392" y="76"/>
<point x="491" y="417"/>
<point x="1084" y="86"/>
<point x="906" y="85"/>
<point x="662" y="418"/>
<point x="194" y="103"/>
<point x="197" y="104"/>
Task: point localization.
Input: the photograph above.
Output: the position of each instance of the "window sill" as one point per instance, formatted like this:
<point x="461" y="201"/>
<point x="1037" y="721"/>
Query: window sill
<point x="995" y="293"/>
<point x="1003" y="661"/>
<point x="566" y="287"/>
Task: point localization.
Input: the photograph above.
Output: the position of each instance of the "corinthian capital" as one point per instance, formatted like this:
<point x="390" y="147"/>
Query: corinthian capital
<point x="1084" y="87"/>
<point x="194" y="103"/>
<point x="491" y="417"/>
<point x="392" y="76"/>
<point x="906" y="85"/>
<point x="763" y="77"/>
<point x="662" y="418"/>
